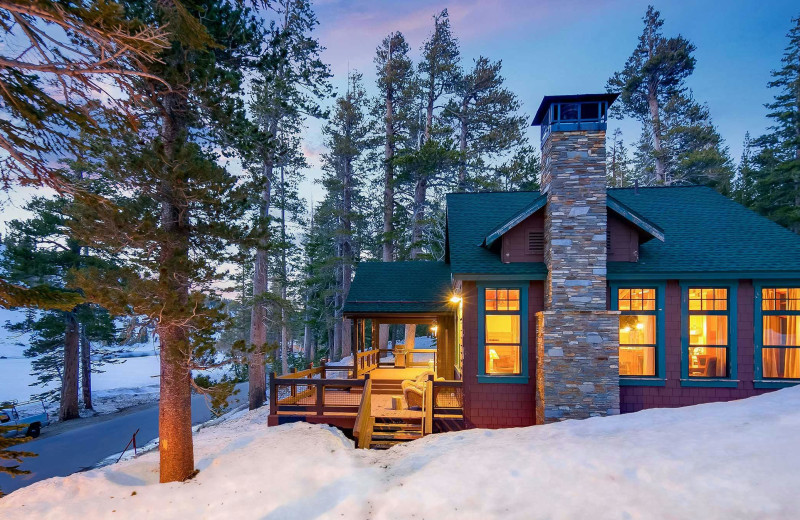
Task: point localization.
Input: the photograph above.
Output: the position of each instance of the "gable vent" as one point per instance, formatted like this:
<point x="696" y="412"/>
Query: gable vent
<point x="536" y="242"/>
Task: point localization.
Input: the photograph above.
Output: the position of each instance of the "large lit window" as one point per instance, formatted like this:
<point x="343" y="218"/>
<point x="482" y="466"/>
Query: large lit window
<point x="503" y="333"/>
<point x="708" y="334"/>
<point x="638" y="342"/>
<point x="780" y="333"/>
<point x="502" y="349"/>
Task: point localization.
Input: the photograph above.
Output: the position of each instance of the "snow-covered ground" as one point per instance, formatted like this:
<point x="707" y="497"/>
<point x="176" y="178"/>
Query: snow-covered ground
<point x="725" y="460"/>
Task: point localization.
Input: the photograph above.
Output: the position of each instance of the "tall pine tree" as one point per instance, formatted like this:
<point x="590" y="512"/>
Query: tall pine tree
<point x="170" y="207"/>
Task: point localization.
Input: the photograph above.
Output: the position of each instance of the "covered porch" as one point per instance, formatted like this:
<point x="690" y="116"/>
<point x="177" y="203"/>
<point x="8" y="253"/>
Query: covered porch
<point x="386" y="393"/>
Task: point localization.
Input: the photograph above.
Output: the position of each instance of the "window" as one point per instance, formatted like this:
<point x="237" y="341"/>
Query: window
<point x="709" y="333"/>
<point x="640" y="324"/>
<point x="780" y="333"/>
<point x="503" y="333"/>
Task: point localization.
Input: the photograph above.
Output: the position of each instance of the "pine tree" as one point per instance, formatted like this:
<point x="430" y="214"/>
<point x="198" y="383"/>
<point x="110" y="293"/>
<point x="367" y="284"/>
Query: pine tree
<point x="776" y="174"/>
<point x="42" y="251"/>
<point x="618" y="165"/>
<point x="654" y="73"/>
<point x="291" y="81"/>
<point x="437" y="75"/>
<point x="7" y="454"/>
<point x="171" y="207"/>
<point x="347" y="138"/>
<point x="697" y="154"/>
<point x="50" y="92"/>
<point x="487" y="122"/>
<point x="394" y="109"/>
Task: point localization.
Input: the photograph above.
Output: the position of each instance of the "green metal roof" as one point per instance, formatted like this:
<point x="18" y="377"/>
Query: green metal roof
<point x="703" y="233"/>
<point x="400" y="287"/>
<point x="471" y="217"/>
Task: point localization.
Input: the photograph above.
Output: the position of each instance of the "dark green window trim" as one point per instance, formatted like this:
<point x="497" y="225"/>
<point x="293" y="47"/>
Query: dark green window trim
<point x="758" y="333"/>
<point x="661" y="288"/>
<point x="733" y="366"/>
<point x="483" y="377"/>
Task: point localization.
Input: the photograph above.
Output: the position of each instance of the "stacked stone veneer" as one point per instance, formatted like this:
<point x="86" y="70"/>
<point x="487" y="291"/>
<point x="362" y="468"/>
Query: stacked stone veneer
<point x="578" y="339"/>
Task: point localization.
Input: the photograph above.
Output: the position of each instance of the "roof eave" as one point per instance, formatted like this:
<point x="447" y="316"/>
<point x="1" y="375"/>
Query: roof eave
<point x="634" y="218"/>
<point x="504" y="228"/>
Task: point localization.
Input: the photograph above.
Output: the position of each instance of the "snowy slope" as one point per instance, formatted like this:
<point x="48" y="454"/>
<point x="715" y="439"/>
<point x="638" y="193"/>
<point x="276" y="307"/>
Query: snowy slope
<point x="725" y="460"/>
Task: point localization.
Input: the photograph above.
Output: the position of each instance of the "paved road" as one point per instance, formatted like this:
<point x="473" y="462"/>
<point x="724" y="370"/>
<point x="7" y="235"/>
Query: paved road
<point x="83" y="447"/>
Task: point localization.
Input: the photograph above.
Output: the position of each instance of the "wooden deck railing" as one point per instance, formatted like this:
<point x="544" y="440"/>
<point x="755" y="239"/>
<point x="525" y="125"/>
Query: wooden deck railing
<point x="305" y="395"/>
<point x="427" y="407"/>
<point x="366" y="361"/>
<point x="365" y="422"/>
<point x="448" y="398"/>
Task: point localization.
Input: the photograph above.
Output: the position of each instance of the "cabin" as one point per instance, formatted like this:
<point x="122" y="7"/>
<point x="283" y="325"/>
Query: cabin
<point x="572" y="302"/>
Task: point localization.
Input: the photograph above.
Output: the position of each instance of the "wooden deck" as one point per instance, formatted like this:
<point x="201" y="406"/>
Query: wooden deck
<point x="311" y="396"/>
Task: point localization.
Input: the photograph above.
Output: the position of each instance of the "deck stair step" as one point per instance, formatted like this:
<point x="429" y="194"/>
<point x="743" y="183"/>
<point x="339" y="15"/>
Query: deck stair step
<point x="387" y="386"/>
<point x="391" y="431"/>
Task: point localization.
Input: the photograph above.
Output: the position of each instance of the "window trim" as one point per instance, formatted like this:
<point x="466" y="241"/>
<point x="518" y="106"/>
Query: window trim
<point x="522" y="377"/>
<point x="732" y="380"/>
<point x="758" y="334"/>
<point x="661" y="356"/>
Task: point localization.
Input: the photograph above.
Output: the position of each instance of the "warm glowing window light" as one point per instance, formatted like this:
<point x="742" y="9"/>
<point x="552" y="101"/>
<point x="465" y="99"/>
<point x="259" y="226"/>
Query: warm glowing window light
<point x="637" y="331"/>
<point x="780" y="336"/>
<point x="503" y="337"/>
<point x="708" y="332"/>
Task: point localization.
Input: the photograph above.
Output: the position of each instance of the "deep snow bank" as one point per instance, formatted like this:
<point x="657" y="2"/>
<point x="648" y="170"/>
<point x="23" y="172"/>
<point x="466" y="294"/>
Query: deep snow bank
<point x="725" y="460"/>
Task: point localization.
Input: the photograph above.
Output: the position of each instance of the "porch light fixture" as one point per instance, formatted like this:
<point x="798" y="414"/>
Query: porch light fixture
<point x="455" y="299"/>
<point x="434" y="328"/>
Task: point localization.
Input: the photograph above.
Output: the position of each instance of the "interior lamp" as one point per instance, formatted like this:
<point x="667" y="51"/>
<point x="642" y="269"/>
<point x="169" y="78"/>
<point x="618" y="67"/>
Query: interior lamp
<point x="492" y="357"/>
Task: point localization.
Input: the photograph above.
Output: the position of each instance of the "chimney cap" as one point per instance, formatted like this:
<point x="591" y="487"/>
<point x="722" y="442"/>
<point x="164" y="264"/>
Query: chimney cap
<point x="574" y="98"/>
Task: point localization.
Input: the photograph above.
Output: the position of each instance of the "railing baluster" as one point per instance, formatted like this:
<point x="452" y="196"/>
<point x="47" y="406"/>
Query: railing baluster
<point x="320" y="398"/>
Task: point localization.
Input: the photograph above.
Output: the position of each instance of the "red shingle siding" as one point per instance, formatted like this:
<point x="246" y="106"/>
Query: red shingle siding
<point x="515" y="241"/>
<point x="634" y="398"/>
<point x="623" y="240"/>
<point x="499" y="405"/>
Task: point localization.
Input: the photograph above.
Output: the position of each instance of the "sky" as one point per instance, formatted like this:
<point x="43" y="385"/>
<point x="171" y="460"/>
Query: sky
<point x="551" y="47"/>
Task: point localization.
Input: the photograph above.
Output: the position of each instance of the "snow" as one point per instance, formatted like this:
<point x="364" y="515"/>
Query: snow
<point x="722" y="460"/>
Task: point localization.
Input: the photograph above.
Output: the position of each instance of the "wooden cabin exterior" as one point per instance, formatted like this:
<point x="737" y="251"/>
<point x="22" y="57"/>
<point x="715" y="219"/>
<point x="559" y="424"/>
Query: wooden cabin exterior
<point x="578" y="301"/>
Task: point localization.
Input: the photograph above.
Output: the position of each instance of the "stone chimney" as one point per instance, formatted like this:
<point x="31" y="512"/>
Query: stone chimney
<point x="578" y="339"/>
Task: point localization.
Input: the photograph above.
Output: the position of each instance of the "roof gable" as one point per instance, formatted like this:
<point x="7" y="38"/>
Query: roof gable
<point x="701" y="231"/>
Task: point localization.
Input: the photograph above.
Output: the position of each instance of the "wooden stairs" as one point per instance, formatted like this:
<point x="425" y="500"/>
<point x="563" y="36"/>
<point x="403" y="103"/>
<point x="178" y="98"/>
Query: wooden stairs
<point x="391" y="431"/>
<point x="387" y="386"/>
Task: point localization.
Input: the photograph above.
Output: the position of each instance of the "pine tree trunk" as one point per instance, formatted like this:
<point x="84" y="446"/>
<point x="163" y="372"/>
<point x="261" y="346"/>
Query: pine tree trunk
<point x="462" y="147"/>
<point x="655" y="118"/>
<point x="175" y="405"/>
<point x="257" y="373"/>
<point x="284" y="279"/>
<point x="347" y="338"/>
<point x="86" y="370"/>
<point x="68" y="408"/>
<point x="420" y="196"/>
<point x="307" y="345"/>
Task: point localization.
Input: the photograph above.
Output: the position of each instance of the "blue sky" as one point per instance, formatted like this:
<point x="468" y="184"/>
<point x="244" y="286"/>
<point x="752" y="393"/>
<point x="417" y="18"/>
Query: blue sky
<point x="573" y="46"/>
<point x="564" y="47"/>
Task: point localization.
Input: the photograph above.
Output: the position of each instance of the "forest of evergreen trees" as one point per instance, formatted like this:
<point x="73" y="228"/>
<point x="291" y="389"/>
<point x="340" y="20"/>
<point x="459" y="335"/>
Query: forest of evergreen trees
<point x="169" y="136"/>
